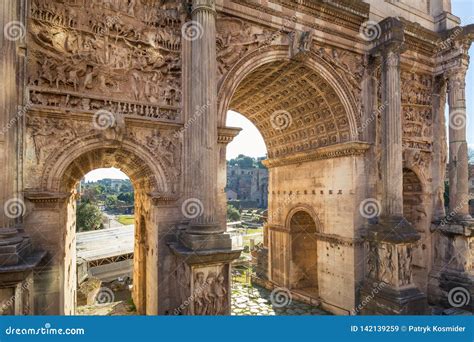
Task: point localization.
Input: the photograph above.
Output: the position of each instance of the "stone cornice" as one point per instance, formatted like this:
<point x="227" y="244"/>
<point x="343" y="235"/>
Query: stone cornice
<point x="326" y="152"/>
<point x="331" y="238"/>
<point x="163" y="198"/>
<point x="332" y="12"/>
<point x="226" y="134"/>
<point x="391" y="37"/>
<point x="45" y="196"/>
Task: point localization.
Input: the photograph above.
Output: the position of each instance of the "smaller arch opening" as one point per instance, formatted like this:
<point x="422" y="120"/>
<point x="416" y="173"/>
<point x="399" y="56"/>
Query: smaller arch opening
<point x="415" y="213"/>
<point x="304" y="254"/>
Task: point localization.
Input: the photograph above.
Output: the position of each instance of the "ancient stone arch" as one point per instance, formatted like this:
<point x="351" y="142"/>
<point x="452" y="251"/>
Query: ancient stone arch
<point x="345" y="94"/>
<point x="243" y="68"/>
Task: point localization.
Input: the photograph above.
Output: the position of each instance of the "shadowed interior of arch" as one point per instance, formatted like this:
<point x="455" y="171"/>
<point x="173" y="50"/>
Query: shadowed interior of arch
<point x="111" y="253"/>
<point x="304" y="254"/>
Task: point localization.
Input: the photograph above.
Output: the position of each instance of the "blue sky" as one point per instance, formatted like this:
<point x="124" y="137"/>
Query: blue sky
<point x="250" y="141"/>
<point x="464" y="9"/>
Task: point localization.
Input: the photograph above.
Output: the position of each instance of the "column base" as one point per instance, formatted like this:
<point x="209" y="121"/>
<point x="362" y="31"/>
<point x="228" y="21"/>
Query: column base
<point x="451" y="281"/>
<point x="393" y="229"/>
<point x="388" y="288"/>
<point x="390" y="301"/>
<point x="451" y="289"/>
<point x="202" y="242"/>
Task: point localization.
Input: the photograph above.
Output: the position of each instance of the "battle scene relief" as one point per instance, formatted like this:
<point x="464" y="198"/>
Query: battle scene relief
<point x="122" y="56"/>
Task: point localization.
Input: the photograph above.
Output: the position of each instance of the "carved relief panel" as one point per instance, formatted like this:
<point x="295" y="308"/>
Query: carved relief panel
<point x="389" y="263"/>
<point x="123" y="56"/>
<point x="236" y="38"/>
<point x="210" y="289"/>
<point x="417" y="118"/>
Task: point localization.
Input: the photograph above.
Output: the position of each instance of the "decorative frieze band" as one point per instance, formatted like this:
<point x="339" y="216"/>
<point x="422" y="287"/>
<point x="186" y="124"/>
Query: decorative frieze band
<point x="327" y="152"/>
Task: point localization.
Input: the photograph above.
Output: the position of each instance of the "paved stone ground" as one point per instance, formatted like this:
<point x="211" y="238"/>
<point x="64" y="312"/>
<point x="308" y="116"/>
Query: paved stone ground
<point x="255" y="301"/>
<point x="120" y="308"/>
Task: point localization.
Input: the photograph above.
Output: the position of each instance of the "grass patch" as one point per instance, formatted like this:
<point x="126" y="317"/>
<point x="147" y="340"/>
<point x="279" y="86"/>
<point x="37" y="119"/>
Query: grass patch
<point x="126" y="219"/>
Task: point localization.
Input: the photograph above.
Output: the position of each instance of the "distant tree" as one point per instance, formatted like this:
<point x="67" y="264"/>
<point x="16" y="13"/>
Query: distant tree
<point x="126" y="197"/>
<point x="88" y="217"/>
<point x="232" y="213"/>
<point x="259" y="162"/>
<point x="90" y="194"/>
<point x="244" y="162"/>
<point x="126" y="187"/>
<point x="111" y="202"/>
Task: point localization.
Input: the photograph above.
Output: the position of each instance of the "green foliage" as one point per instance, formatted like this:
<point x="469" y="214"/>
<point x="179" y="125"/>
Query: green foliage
<point x="126" y="197"/>
<point x="232" y="213"/>
<point x="126" y="219"/>
<point x="246" y="162"/>
<point x="88" y="217"/>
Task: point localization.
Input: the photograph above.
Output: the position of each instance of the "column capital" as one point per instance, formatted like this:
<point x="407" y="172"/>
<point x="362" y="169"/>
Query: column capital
<point x="391" y="37"/>
<point x="455" y="76"/>
<point x="204" y="5"/>
<point x="391" y="57"/>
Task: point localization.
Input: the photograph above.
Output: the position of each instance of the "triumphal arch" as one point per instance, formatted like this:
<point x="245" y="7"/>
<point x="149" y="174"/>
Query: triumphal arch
<point x="349" y="97"/>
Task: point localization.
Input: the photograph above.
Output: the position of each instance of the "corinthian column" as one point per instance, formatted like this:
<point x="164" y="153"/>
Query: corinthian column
<point x="458" y="162"/>
<point x="388" y="287"/>
<point x="203" y="131"/>
<point x="392" y="163"/>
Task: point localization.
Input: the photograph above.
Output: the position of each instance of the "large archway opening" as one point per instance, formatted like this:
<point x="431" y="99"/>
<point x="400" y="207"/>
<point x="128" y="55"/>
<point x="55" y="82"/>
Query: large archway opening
<point x="63" y="180"/>
<point x="301" y="113"/>
<point x="105" y="244"/>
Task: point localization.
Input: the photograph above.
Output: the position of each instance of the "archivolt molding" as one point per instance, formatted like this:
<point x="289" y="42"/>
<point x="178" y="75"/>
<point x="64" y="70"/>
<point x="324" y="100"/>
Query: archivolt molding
<point x="151" y="157"/>
<point x="307" y="209"/>
<point x="315" y="82"/>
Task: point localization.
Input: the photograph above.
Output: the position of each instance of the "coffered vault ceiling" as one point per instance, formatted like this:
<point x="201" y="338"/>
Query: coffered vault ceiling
<point x="294" y="108"/>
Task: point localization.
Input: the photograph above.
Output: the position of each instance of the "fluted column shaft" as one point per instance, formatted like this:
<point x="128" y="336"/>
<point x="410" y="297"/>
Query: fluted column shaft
<point x="203" y="135"/>
<point x="392" y="163"/>
<point x="458" y="161"/>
